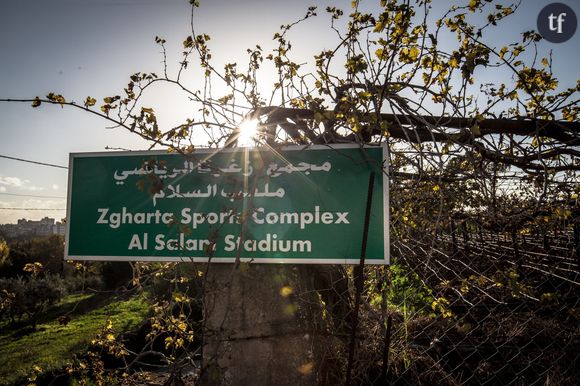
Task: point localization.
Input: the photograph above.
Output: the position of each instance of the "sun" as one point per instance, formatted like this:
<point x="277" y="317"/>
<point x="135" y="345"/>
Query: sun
<point x="248" y="131"/>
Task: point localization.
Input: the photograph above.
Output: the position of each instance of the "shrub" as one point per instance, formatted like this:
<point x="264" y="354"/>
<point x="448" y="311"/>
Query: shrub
<point x="29" y="297"/>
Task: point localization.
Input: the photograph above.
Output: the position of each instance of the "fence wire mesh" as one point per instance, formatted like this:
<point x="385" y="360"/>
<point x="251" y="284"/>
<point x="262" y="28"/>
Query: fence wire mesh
<point x="483" y="287"/>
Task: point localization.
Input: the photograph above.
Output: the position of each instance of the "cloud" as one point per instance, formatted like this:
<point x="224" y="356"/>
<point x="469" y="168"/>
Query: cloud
<point x="33" y="188"/>
<point x="43" y="204"/>
<point x="18" y="183"/>
<point x="54" y="186"/>
<point x="12" y="181"/>
<point x="2" y="189"/>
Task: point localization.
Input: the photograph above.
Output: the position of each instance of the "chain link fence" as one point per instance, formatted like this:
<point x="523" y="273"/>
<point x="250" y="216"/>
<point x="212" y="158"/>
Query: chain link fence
<point x="483" y="287"/>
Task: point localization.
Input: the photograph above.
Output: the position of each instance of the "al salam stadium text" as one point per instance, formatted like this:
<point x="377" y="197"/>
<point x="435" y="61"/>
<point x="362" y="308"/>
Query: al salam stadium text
<point x="270" y="243"/>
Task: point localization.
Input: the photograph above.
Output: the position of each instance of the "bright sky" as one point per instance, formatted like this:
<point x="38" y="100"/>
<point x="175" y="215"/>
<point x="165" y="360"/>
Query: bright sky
<point x="90" y="47"/>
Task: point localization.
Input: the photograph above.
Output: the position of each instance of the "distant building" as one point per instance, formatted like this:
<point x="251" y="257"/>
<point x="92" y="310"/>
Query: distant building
<point x="44" y="227"/>
<point x="58" y="228"/>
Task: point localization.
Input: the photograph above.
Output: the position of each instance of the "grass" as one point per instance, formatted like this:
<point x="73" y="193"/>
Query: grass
<point x="52" y="345"/>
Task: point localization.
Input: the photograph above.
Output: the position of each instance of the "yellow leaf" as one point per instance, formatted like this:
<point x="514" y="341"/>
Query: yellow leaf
<point x="36" y="102"/>
<point x="306" y="368"/>
<point x="290" y="309"/>
<point x="409" y="55"/>
<point x="475" y="130"/>
<point x="380" y="53"/>
<point x="473" y="5"/>
<point x="187" y="43"/>
<point x="90" y="101"/>
<point x="414" y="53"/>
<point x="502" y="52"/>
<point x="453" y="62"/>
<point x="365" y="94"/>
<point x="178" y="342"/>
<point x="286" y="291"/>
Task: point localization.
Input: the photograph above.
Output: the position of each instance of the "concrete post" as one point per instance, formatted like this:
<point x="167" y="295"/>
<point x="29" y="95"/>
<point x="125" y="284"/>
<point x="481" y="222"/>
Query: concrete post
<point x="254" y="331"/>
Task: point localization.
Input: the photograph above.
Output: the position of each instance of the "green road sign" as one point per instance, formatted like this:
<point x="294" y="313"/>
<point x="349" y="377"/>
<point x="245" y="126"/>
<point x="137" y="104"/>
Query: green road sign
<point x="293" y="205"/>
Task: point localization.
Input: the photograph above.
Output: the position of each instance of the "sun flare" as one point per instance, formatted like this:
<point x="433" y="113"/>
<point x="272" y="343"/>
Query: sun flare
<point x="248" y="131"/>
